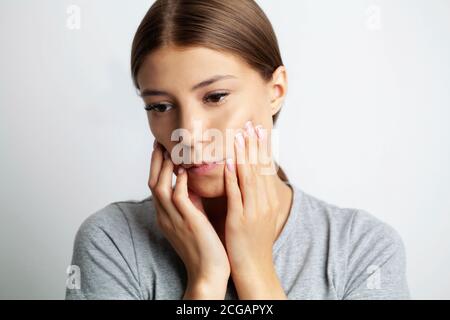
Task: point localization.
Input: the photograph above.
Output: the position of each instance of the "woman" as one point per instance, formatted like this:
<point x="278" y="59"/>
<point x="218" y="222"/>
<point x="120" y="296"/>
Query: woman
<point x="230" y="228"/>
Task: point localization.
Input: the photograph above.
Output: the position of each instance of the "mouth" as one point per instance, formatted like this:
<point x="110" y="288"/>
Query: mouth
<point x="202" y="168"/>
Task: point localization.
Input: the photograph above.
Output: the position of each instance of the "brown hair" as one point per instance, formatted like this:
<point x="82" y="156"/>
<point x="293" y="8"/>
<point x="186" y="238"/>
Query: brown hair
<point x="236" y="26"/>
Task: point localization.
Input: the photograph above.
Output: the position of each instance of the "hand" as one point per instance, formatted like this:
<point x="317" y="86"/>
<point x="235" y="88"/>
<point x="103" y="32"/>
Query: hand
<point x="253" y="209"/>
<point x="182" y="219"/>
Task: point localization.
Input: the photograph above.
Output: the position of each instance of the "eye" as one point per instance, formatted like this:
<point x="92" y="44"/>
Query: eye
<point x="158" y="107"/>
<point x="216" y="98"/>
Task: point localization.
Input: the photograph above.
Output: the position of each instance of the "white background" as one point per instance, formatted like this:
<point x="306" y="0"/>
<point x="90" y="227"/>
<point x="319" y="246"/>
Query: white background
<point x="365" y="124"/>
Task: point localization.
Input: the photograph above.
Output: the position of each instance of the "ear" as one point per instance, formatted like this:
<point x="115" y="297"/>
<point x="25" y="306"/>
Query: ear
<point x="278" y="89"/>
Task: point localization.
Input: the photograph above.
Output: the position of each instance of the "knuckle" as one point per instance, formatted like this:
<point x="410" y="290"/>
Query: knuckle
<point x="177" y="197"/>
<point x="190" y="225"/>
<point x="157" y="191"/>
<point x="152" y="183"/>
<point x="160" y="192"/>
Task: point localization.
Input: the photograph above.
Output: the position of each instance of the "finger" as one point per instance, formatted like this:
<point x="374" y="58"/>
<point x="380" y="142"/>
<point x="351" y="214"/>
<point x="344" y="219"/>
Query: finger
<point x="264" y="156"/>
<point x="155" y="165"/>
<point x="251" y="147"/>
<point x="251" y="144"/>
<point x="244" y="173"/>
<point x="157" y="204"/>
<point x="234" y="197"/>
<point x="155" y="168"/>
<point x="162" y="217"/>
<point x="164" y="191"/>
<point x="181" y="195"/>
<point x="259" y="192"/>
<point x="165" y="176"/>
<point x="267" y="167"/>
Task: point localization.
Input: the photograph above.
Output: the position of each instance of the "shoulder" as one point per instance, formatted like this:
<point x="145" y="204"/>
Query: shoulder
<point x="362" y="250"/>
<point x="104" y="252"/>
<point x="116" y="222"/>
<point x="352" y="225"/>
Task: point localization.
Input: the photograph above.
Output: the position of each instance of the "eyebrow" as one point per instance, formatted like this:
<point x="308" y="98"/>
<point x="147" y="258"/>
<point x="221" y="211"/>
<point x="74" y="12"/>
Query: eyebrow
<point x="204" y="83"/>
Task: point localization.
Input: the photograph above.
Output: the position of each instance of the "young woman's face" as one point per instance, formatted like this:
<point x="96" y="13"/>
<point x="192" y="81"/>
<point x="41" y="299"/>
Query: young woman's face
<point x="169" y="84"/>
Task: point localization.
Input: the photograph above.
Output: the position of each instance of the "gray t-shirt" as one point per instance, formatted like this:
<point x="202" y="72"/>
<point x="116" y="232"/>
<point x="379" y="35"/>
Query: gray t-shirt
<point x="323" y="252"/>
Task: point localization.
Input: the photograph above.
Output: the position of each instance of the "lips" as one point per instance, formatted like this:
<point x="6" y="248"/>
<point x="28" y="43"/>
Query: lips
<point x="204" y="163"/>
<point x="203" y="168"/>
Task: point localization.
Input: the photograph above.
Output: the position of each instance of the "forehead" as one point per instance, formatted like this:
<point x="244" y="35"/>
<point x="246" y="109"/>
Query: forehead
<point x="169" y="66"/>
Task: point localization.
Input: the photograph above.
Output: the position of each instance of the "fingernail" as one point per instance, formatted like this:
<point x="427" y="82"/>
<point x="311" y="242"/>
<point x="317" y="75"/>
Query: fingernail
<point x="166" y="155"/>
<point x="260" y="132"/>
<point x="230" y="164"/>
<point x="249" y="128"/>
<point x="180" y="170"/>
<point x="240" y="139"/>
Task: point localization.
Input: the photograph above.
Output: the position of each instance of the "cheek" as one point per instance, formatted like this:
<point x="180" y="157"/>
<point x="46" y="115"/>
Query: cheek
<point x="160" y="130"/>
<point x="256" y="110"/>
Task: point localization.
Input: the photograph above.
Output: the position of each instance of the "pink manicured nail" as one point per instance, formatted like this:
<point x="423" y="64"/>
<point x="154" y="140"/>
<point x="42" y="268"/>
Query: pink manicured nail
<point x="230" y="164"/>
<point x="260" y="132"/>
<point x="240" y="139"/>
<point x="180" y="170"/>
<point x="249" y="128"/>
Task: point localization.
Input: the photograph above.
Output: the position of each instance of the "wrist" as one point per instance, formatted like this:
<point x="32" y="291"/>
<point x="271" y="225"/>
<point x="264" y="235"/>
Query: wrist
<point x="251" y="269"/>
<point x="206" y="290"/>
<point x="258" y="284"/>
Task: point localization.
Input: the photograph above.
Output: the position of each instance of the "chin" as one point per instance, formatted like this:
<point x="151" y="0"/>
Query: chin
<point x="207" y="186"/>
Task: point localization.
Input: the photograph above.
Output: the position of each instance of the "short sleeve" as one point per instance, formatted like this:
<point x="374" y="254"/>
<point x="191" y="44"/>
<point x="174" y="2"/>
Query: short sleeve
<point x="376" y="264"/>
<point x="103" y="256"/>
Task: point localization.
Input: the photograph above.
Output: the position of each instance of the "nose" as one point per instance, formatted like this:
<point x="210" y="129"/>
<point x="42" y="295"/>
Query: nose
<point x="192" y="128"/>
<point x="191" y="134"/>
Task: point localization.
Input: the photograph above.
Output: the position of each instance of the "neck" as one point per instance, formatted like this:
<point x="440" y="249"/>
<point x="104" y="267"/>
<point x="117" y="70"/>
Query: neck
<point x="216" y="208"/>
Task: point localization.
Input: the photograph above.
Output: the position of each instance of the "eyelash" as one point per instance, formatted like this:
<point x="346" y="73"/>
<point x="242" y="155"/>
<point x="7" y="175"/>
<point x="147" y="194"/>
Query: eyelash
<point x="153" y="107"/>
